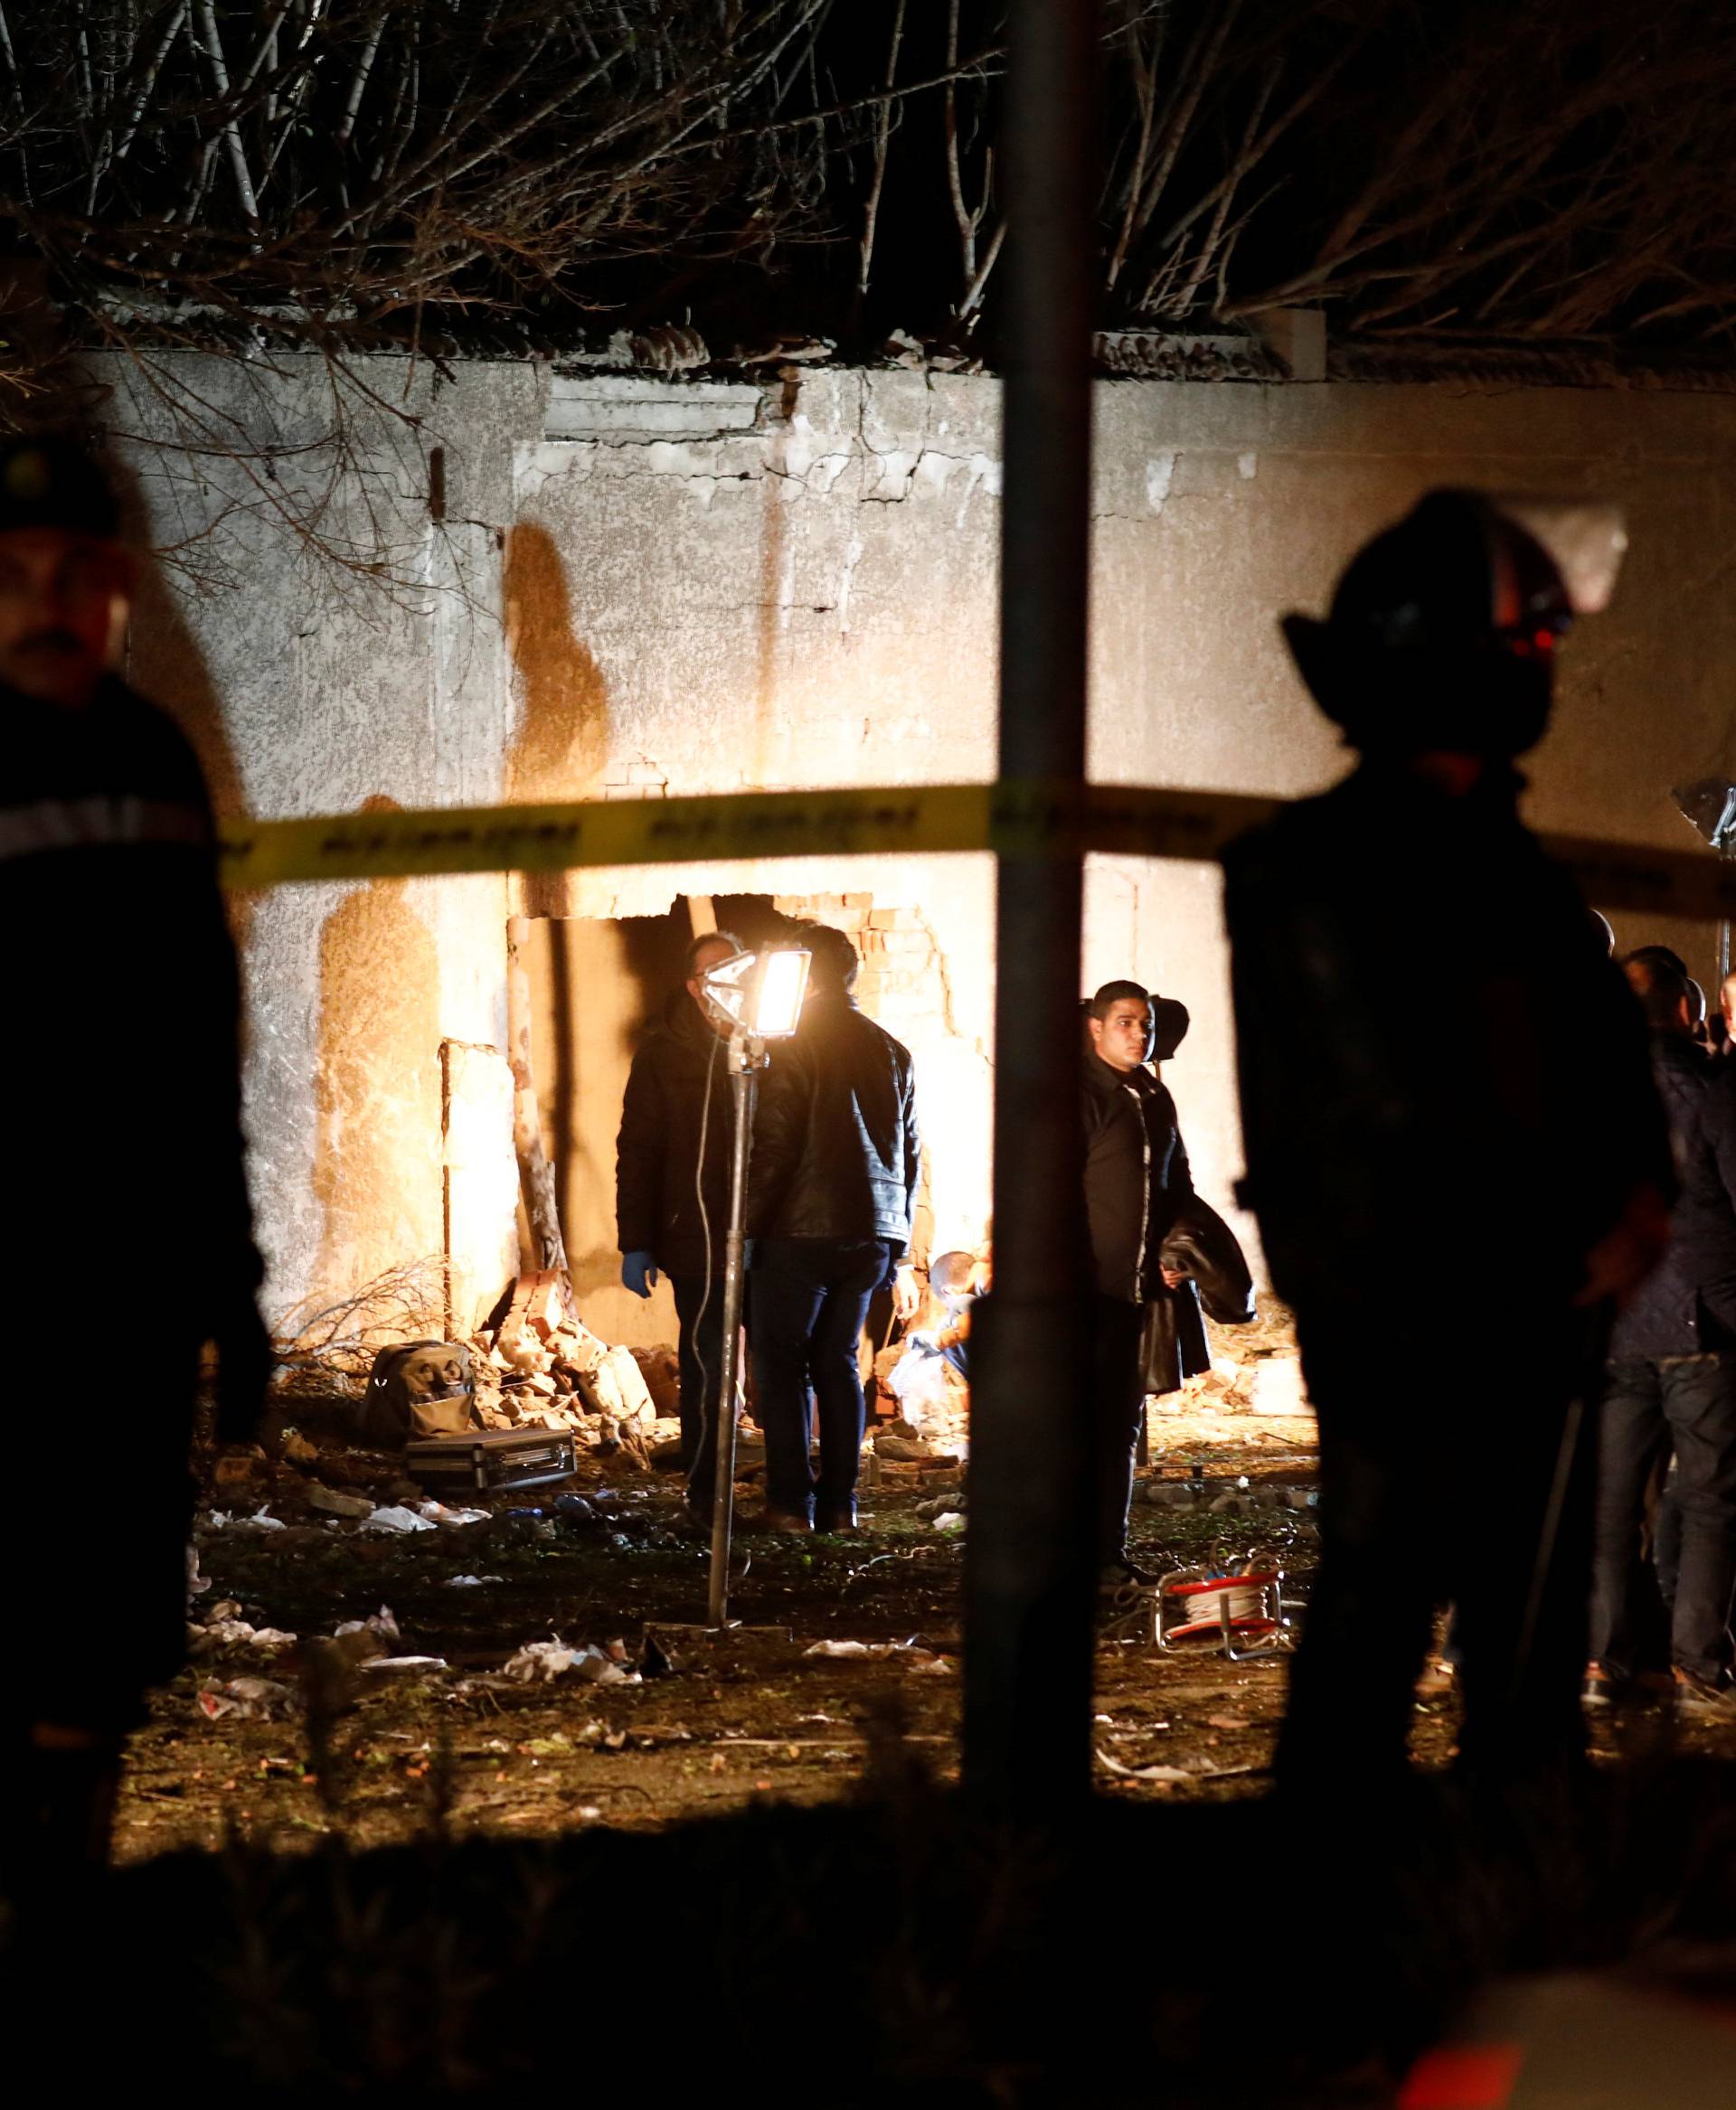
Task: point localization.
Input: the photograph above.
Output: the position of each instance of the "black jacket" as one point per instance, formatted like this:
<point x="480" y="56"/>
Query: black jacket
<point x="119" y="1074"/>
<point x="1688" y="1305"/>
<point x="836" y="1148"/>
<point x="1136" y="1176"/>
<point x="657" y="1179"/>
<point x="1137" y="1184"/>
<point x="122" y="1171"/>
<point x="1406" y="968"/>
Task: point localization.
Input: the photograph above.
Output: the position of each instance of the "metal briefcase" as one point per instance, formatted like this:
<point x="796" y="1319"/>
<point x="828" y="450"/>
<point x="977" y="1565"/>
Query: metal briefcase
<point x="488" y="1463"/>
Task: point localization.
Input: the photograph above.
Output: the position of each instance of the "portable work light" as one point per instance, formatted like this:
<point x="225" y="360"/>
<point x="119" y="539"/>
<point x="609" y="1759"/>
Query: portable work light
<point x="1585" y="539"/>
<point x="759" y="996"/>
<point x="759" y="993"/>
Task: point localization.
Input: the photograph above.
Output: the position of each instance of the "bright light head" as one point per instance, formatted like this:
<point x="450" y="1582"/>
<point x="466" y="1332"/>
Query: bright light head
<point x="759" y="993"/>
<point x="1585" y="539"/>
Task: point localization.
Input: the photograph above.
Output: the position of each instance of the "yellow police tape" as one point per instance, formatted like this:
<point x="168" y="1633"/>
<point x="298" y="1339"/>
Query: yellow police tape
<point x="1012" y="818"/>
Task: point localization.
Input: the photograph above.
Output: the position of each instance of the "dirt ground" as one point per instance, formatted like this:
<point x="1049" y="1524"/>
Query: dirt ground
<point x="715" y="1723"/>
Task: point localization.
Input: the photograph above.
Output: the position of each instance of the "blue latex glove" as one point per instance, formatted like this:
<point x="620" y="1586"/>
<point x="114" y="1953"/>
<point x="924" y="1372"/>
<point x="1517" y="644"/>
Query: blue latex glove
<point x="639" y="1272"/>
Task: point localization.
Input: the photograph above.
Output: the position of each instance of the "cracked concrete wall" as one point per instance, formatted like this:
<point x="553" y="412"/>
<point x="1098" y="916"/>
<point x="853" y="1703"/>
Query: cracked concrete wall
<point x="713" y="585"/>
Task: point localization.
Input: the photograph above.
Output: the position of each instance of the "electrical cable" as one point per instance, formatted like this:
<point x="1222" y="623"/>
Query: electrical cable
<point x="705" y="1229"/>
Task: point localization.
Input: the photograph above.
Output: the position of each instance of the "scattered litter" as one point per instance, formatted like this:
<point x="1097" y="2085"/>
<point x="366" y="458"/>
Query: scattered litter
<point x="438" y="1513"/>
<point x="541" y="1662"/>
<point x="197" y="1584"/>
<point x="1226" y="1721"/>
<point x="878" y="1652"/>
<point x="333" y="1502"/>
<point x="471" y="1582"/>
<point x="404" y="1664"/>
<point x="383" y="1623"/>
<point x="951" y="1520"/>
<point x="1168" y="1773"/>
<point x="296" y="1450"/>
<point x="245" y="1700"/>
<point x="217" y="1520"/>
<point x="397" y="1519"/>
<point x="237" y="1633"/>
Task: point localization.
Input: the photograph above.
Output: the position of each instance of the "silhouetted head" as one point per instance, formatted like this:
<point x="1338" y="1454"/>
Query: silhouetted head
<point x="66" y="579"/>
<point x="1657" y="956"/>
<point x="832" y="964"/>
<point x="1665" y="997"/>
<point x="1442" y="635"/>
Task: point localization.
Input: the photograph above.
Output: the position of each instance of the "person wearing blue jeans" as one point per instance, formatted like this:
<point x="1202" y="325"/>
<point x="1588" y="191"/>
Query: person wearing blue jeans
<point x="810" y="1300"/>
<point x="830" y="1199"/>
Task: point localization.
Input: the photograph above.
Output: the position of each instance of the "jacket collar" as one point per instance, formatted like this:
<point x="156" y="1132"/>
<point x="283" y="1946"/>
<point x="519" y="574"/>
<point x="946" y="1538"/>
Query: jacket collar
<point x="1104" y="1077"/>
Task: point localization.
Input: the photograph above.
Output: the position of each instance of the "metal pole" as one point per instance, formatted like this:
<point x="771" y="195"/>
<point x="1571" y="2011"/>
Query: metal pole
<point x="1029" y="1569"/>
<point x="746" y="1057"/>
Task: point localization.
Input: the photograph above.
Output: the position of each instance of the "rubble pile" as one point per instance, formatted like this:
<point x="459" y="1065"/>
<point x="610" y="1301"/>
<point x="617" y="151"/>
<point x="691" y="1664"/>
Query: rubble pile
<point x="542" y="1366"/>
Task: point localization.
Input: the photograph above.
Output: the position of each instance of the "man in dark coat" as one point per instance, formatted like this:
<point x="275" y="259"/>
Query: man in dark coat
<point x="125" y="1178"/>
<point x="1136" y="1181"/>
<point x="1449" y="1212"/>
<point x="672" y="1195"/>
<point x="1672" y="1385"/>
<point x="830" y="1202"/>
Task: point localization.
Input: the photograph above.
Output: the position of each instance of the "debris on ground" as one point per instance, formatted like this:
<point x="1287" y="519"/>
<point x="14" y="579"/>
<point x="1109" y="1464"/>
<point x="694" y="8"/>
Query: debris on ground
<point x="246" y="1699"/>
<point x="331" y="1502"/>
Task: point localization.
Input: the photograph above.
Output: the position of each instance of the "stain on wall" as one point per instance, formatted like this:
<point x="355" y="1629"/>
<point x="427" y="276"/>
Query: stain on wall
<point x="377" y="1170"/>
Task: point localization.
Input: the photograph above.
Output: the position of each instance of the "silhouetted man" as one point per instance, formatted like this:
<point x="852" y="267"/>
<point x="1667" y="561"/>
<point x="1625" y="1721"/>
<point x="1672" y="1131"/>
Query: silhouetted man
<point x="124" y="1185"/>
<point x="1671" y="1386"/>
<point x="1449" y="1211"/>
<point x="830" y="1202"/>
<point x="672" y="1196"/>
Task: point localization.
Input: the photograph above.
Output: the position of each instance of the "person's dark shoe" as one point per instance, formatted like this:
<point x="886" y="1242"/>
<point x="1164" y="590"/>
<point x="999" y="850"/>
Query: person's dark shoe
<point x="1120" y="1574"/>
<point x="1602" y="1688"/>
<point x="838" y="1518"/>
<point x="695" y="1519"/>
<point x="781" y="1520"/>
<point x="1703" y="1700"/>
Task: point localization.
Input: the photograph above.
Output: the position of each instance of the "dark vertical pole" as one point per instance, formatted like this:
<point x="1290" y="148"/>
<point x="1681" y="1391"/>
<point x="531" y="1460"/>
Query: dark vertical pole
<point x="1029" y="1573"/>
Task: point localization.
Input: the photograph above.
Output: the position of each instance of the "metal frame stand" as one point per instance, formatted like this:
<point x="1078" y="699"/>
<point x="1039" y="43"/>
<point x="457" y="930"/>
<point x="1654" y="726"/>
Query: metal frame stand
<point x="747" y="1059"/>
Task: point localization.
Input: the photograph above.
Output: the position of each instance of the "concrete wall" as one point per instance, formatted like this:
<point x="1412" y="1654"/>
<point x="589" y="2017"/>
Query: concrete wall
<point x="643" y="588"/>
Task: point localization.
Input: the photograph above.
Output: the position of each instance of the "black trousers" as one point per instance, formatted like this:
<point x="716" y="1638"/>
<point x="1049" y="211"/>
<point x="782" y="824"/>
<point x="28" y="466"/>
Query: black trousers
<point x="1118" y="1402"/>
<point x="1442" y="1480"/>
<point x="1687" y="1404"/>
<point x="699" y="1310"/>
<point x="808" y="1300"/>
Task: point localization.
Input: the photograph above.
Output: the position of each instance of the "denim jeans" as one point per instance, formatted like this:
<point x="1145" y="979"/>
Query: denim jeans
<point x="1685" y="1403"/>
<point x="701" y="1350"/>
<point x="807" y="1299"/>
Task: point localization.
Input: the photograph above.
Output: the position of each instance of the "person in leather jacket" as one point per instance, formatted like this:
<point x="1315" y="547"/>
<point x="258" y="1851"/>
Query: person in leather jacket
<point x="1136" y="1181"/>
<point x="830" y="1196"/>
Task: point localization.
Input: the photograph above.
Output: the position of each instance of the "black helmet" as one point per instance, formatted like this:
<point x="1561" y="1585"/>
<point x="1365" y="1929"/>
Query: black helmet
<point x="49" y="480"/>
<point x="1442" y="634"/>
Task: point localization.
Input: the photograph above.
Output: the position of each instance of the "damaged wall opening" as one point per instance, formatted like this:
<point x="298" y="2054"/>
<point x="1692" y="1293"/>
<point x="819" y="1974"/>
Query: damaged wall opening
<point x="597" y="985"/>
